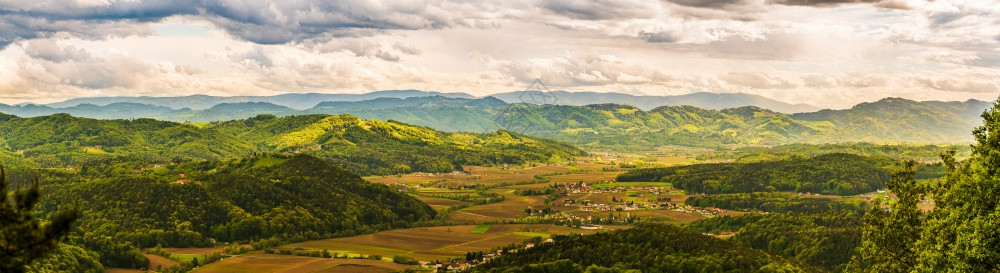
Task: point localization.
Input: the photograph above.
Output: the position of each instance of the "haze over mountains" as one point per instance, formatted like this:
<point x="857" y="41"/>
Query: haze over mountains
<point x="303" y="101"/>
<point x="592" y="120"/>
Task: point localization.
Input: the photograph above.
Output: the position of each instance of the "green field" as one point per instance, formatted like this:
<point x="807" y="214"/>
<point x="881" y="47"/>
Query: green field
<point x="480" y="229"/>
<point x="268" y="161"/>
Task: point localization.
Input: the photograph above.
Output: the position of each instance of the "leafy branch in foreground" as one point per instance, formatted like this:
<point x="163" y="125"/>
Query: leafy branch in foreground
<point x="23" y="238"/>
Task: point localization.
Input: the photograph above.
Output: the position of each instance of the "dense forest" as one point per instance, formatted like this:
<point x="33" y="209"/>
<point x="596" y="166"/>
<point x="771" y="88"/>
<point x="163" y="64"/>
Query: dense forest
<point x="824" y="239"/>
<point x="254" y="199"/>
<point x="837" y="174"/>
<point x="364" y="147"/>
<point x="773" y="202"/>
<point x="647" y="247"/>
<point x="928" y="153"/>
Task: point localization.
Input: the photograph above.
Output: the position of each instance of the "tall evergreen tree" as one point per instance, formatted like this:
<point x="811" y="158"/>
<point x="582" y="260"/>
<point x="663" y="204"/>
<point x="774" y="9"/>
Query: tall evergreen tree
<point x="23" y="238"/>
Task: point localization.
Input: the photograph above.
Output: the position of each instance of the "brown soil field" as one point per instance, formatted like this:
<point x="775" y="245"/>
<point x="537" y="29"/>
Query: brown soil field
<point x="157" y="260"/>
<point x="432" y="243"/>
<point x="297" y="264"/>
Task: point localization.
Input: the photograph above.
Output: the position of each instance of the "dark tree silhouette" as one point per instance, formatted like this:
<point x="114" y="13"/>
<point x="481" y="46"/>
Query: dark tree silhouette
<point x="23" y="238"/>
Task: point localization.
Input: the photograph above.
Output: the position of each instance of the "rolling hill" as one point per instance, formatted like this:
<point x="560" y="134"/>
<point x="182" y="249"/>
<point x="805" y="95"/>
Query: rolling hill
<point x="624" y="127"/>
<point x="255" y="199"/>
<point x="382" y="147"/>
<point x="706" y="100"/>
<point x="361" y="146"/>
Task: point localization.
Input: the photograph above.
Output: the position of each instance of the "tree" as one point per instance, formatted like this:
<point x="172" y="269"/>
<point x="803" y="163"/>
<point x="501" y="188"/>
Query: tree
<point x="23" y="238"/>
<point x="888" y="239"/>
<point x="962" y="233"/>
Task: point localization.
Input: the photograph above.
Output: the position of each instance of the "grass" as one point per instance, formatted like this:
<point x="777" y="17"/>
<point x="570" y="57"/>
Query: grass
<point x="185" y="257"/>
<point x="480" y="229"/>
<point x="267" y="162"/>
<point x="533" y="234"/>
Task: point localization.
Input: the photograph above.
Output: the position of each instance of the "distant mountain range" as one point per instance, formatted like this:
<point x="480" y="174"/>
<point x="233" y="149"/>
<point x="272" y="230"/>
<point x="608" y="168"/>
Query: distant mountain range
<point x="705" y="100"/>
<point x="601" y="126"/>
<point x="714" y="101"/>
<point x="292" y="100"/>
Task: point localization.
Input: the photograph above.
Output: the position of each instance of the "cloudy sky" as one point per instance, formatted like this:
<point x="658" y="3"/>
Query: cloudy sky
<point x="830" y="53"/>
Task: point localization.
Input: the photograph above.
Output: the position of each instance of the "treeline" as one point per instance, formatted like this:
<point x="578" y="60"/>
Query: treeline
<point x="824" y="239"/>
<point x="920" y="153"/>
<point x="774" y="202"/>
<point x="272" y="199"/>
<point x="836" y="174"/>
<point x="647" y="247"/>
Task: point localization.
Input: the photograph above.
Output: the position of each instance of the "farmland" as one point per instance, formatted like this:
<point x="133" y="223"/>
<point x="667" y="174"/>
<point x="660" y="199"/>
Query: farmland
<point x="285" y="263"/>
<point x="436" y="243"/>
<point x="481" y="208"/>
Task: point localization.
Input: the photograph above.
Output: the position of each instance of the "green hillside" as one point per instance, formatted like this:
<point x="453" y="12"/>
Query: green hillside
<point x="361" y="146"/>
<point x="381" y="147"/>
<point x="63" y="140"/>
<point x="840" y="174"/>
<point x="895" y="119"/>
<point x="290" y="199"/>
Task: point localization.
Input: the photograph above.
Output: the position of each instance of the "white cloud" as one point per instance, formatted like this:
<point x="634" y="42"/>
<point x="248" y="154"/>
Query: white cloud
<point x="822" y="52"/>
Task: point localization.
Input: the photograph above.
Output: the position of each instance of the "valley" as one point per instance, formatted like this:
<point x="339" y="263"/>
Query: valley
<point x="340" y="193"/>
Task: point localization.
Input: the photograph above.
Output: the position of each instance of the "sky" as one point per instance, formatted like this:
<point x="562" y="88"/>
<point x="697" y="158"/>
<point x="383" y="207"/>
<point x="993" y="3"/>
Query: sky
<point x="827" y="53"/>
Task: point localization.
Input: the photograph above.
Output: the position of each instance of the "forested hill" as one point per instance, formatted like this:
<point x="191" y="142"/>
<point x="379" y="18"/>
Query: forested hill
<point x="378" y="147"/>
<point x="646" y="247"/>
<point x="627" y="128"/>
<point x="840" y="174"/>
<point x="904" y="120"/>
<point x="361" y="146"/>
<point x="63" y="140"/>
<point x="258" y="199"/>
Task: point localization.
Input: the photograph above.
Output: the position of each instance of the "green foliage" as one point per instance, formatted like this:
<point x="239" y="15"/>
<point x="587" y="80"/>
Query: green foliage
<point x="68" y="258"/>
<point x="822" y="239"/>
<point x="295" y="198"/>
<point x="772" y="202"/>
<point x="24" y="238"/>
<point x="839" y="174"/>
<point x="889" y="235"/>
<point x="646" y="247"/>
<point x="920" y="153"/>
<point x="962" y="232"/>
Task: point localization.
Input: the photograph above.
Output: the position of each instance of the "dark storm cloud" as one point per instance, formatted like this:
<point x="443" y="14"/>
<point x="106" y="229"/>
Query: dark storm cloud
<point x="598" y="9"/>
<point x="263" y="22"/>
